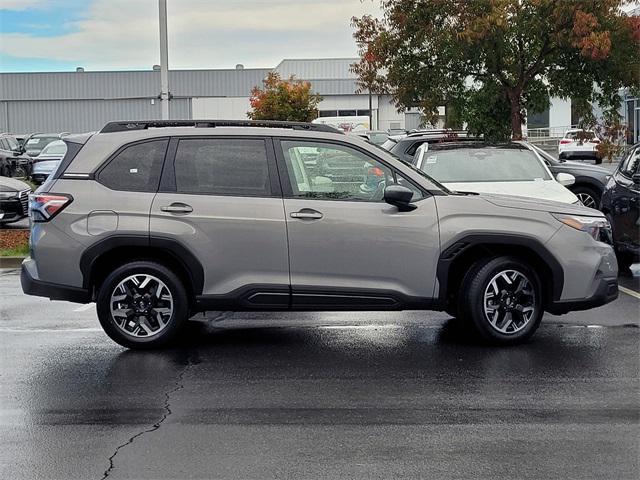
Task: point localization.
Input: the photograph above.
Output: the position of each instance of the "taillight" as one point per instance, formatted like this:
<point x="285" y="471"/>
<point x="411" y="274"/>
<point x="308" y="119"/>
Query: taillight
<point x="564" y="141"/>
<point x="44" y="206"/>
<point x="376" y="172"/>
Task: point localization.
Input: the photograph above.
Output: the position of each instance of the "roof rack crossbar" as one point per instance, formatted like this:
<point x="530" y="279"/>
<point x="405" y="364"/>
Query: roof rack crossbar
<point x="146" y="124"/>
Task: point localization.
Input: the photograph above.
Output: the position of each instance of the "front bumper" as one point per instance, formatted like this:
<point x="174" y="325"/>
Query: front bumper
<point x="14" y="209"/>
<point x="53" y="291"/>
<point x="606" y="292"/>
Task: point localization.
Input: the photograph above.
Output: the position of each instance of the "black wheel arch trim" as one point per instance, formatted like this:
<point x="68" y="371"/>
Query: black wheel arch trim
<point x="464" y="243"/>
<point x="177" y="251"/>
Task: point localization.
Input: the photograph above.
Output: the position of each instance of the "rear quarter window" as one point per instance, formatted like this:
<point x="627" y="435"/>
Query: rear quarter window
<point x="136" y="168"/>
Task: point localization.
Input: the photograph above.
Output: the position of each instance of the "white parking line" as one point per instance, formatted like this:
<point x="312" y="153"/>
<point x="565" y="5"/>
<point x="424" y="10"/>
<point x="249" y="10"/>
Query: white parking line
<point x="83" y="307"/>
<point x="628" y="291"/>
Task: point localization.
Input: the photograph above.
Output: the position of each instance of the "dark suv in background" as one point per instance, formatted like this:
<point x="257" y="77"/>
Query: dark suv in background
<point x="621" y="205"/>
<point x="13" y="162"/>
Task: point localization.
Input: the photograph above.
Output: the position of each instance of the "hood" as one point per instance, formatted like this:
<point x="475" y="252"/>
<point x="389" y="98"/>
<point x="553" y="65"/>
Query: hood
<point x="586" y="168"/>
<point x="542" y="190"/>
<point x="14" y="184"/>
<point x="538" y="205"/>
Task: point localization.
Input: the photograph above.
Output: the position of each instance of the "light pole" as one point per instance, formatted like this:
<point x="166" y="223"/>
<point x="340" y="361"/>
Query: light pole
<point x="164" y="61"/>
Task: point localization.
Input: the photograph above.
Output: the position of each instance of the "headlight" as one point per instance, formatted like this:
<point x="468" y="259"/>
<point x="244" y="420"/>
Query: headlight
<point x="594" y="226"/>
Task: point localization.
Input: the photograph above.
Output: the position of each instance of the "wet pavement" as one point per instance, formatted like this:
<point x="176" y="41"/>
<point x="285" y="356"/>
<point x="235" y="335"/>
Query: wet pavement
<point x="307" y="395"/>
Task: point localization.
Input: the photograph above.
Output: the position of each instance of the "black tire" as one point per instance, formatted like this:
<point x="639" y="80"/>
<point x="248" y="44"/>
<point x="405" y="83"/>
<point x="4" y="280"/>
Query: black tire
<point x="176" y="321"/>
<point x="583" y="191"/>
<point x="20" y="172"/>
<point x="625" y="260"/>
<point x="472" y="300"/>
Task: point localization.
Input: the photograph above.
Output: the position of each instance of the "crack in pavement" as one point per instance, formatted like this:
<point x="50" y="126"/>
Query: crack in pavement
<point x="155" y="426"/>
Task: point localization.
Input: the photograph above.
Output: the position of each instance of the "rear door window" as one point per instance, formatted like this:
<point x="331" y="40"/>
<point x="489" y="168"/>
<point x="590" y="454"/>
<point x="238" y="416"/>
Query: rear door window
<point x="136" y="168"/>
<point x="222" y="166"/>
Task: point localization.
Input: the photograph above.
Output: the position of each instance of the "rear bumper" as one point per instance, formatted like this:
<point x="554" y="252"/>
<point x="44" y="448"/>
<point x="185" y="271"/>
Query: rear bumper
<point x="38" y="288"/>
<point x="580" y="154"/>
<point x="606" y="292"/>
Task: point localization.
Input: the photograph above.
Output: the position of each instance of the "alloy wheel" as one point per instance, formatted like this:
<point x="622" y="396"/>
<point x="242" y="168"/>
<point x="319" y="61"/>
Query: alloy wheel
<point x="141" y="305"/>
<point x="509" y="302"/>
<point x="587" y="200"/>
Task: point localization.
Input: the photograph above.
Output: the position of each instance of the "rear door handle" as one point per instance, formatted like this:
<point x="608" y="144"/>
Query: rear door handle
<point x="177" y="207"/>
<point x="306" y="214"/>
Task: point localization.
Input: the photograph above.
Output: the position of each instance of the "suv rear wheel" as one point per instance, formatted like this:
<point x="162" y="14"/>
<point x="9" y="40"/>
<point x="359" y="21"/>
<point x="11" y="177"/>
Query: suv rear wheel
<point x="502" y="298"/>
<point x="142" y="305"/>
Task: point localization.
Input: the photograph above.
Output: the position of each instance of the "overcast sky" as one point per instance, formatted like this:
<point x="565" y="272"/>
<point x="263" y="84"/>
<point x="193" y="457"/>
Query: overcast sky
<point x="58" y="35"/>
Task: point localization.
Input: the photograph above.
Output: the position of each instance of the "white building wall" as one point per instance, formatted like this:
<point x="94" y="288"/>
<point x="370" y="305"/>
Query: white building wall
<point x="224" y="108"/>
<point x="388" y="116"/>
<point x="559" y="113"/>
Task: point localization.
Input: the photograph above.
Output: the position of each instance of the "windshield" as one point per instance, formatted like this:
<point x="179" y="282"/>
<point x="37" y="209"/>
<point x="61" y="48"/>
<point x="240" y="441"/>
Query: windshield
<point x="415" y="169"/>
<point x="388" y="144"/>
<point x="55" y="148"/>
<point x="40" y="142"/>
<point x="485" y="164"/>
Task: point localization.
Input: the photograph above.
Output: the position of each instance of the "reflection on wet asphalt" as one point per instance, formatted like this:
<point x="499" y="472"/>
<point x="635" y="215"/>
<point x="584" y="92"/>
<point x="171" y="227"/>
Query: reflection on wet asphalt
<point x="359" y="395"/>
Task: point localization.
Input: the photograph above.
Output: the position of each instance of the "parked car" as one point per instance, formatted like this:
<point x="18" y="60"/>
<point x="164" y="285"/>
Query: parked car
<point x="14" y="199"/>
<point x="405" y="146"/>
<point x="377" y="137"/>
<point x="48" y="160"/>
<point x="590" y="179"/>
<point x="155" y="221"/>
<point x="36" y="142"/>
<point x="621" y="205"/>
<point x="13" y="162"/>
<point x="579" y="144"/>
<point x="510" y="168"/>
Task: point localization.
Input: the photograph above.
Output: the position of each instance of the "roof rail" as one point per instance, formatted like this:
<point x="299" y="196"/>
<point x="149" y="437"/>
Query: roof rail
<point x="146" y="124"/>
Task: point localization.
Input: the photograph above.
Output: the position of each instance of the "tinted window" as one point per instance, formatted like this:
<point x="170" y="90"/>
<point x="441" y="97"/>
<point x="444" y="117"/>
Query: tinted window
<point x="337" y="172"/>
<point x="630" y="164"/>
<point x="4" y="144"/>
<point x="13" y="144"/>
<point x="489" y="164"/>
<point x="222" y="166"/>
<point x="137" y="168"/>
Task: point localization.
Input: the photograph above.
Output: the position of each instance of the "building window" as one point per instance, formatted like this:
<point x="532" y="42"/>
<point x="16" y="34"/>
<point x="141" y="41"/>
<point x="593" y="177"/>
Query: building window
<point x="327" y="113"/>
<point x="347" y="113"/>
<point x="363" y="113"/>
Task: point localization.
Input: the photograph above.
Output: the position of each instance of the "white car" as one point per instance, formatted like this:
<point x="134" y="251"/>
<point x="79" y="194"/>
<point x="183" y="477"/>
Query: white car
<point x="579" y="144"/>
<point x="48" y="160"/>
<point x="512" y="168"/>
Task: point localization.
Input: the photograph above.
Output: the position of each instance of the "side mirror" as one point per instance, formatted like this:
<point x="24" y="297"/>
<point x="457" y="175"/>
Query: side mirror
<point x="636" y="178"/>
<point x="400" y="197"/>
<point x="566" y="179"/>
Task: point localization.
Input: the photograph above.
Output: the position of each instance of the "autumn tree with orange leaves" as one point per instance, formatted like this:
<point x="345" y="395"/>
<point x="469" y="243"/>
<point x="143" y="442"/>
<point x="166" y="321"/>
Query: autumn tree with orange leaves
<point x="290" y="100"/>
<point x="495" y="59"/>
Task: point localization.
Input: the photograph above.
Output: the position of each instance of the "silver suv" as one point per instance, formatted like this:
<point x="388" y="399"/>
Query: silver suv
<point x="155" y="221"/>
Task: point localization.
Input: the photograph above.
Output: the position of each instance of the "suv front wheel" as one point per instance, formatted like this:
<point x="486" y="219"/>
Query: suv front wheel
<point x="502" y="299"/>
<point x="142" y="305"/>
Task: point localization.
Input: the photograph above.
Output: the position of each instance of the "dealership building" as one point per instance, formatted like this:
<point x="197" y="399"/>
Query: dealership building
<point x="81" y="101"/>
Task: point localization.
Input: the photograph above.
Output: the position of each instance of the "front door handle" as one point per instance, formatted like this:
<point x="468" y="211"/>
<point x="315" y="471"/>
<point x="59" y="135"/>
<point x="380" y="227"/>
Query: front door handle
<point x="306" y="214"/>
<point x="177" y="207"/>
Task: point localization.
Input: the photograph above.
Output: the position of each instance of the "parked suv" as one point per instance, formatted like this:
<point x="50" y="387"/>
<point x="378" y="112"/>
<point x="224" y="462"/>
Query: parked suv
<point x="155" y="221"/>
<point x="13" y="162"/>
<point x="621" y="204"/>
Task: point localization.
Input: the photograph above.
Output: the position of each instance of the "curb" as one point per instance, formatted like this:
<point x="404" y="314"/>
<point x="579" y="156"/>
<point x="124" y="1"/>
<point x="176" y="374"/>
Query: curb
<point x="11" y="262"/>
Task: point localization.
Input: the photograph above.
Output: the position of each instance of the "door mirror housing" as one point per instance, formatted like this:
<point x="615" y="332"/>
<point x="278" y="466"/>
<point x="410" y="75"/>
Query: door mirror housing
<point x="565" y="179"/>
<point x="399" y="197"/>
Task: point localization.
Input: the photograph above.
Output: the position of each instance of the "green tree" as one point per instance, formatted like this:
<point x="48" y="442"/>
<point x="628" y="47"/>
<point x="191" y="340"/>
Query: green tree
<point x="290" y="100"/>
<point x="499" y="57"/>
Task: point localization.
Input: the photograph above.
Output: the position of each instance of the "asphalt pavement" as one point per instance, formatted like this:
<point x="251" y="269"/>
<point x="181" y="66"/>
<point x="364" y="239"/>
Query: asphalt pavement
<point x="362" y="395"/>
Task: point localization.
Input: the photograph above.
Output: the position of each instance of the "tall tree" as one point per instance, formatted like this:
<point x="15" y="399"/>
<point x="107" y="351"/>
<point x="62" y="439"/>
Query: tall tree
<point x="290" y="100"/>
<point x="509" y="55"/>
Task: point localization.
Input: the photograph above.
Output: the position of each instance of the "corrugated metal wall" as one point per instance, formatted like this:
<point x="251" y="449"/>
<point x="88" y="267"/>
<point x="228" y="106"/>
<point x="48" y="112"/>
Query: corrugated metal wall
<point x="77" y="116"/>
